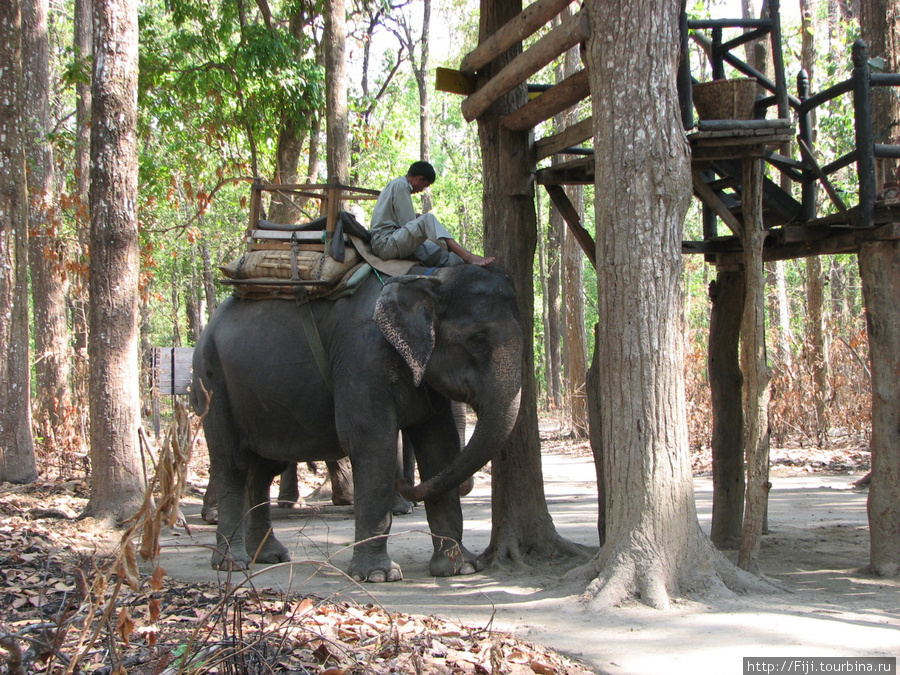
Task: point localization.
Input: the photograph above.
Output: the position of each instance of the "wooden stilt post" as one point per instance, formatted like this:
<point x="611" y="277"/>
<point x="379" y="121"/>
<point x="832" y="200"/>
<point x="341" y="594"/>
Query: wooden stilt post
<point x="808" y="187"/>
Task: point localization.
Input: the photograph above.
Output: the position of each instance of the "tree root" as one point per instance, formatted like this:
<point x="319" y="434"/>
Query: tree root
<point x="510" y="551"/>
<point x="633" y="569"/>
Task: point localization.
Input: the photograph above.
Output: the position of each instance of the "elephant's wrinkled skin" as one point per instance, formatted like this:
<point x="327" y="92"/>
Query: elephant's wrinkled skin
<point x="398" y="355"/>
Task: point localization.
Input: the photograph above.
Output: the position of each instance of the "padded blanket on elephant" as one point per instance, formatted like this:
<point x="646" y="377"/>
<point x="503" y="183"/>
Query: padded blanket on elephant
<point x="329" y="278"/>
<point x="290" y="264"/>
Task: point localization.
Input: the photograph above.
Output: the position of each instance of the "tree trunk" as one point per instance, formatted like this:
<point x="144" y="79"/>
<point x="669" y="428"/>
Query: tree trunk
<point x="573" y="279"/>
<point x="555" y="236"/>
<point x="83" y="48"/>
<point x="117" y="483"/>
<point x="879" y="266"/>
<point x="880" y="25"/>
<point x="521" y="527"/>
<point x="755" y="370"/>
<point x="725" y="381"/>
<point x="654" y="545"/>
<point x="337" y="126"/>
<point x="17" y="463"/>
<point x="46" y="255"/>
<point x="815" y="343"/>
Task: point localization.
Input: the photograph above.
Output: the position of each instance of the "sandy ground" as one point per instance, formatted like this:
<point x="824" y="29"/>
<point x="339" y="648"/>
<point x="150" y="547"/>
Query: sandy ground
<point x="818" y="539"/>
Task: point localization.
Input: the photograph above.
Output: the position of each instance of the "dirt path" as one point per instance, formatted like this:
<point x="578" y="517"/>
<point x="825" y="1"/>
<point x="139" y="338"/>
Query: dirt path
<point x="819" y="537"/>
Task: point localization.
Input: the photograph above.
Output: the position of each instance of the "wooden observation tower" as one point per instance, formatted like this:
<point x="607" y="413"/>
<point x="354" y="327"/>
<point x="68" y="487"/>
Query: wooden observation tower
<point x="742" y="169"/>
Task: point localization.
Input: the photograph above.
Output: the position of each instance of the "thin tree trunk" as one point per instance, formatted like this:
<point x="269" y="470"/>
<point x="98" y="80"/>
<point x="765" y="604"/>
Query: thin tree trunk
<point x="755" y="371"/>
<point x="573" y="278"/>
<point x="337" y="124"/>
<point x="521" y="525"/>
<point x="49" y="281"/>
<point x="117" y="483"/>
<point x="17" y="462"/>
<point x="555" y="236"/>
<point x="83" y="43"/>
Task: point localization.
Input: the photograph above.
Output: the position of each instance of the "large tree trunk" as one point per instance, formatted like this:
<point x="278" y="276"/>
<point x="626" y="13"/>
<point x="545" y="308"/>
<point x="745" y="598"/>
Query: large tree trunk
<point x="17" y="463"/>
<point x="117" y="483"/>
<point x="654" y="545"/>
<point x="522" y="527"/>
<point x="49" y="282"/>
<point x="878" y="264"/>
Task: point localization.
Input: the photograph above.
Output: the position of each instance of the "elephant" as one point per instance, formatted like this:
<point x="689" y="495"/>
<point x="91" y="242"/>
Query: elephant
<point x="398" y="351"/>
<point x="342" y="490"/>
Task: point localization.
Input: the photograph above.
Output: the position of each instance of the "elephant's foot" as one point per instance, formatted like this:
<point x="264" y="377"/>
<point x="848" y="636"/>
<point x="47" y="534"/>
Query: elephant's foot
<point x="376" y="572"/>
<point x="454" y="560"/>
<point x="226" y="562"/>
<point x="402" y="506"/>
<point x="210" y="515"/>
<point x="271" y="551"/>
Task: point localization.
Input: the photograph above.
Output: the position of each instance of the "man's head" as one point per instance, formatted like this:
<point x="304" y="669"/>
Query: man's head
<point x="420" y="176"/>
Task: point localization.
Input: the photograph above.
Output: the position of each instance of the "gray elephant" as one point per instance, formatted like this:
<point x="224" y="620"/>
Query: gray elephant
<point x="399" y="350"/>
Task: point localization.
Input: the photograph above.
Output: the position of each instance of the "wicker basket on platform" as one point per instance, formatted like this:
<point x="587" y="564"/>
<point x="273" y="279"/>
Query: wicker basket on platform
<point x="725" y="99"/>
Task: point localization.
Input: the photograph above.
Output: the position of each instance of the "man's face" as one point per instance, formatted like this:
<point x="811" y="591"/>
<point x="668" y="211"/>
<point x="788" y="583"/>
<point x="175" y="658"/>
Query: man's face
<point x="419" y="183"/>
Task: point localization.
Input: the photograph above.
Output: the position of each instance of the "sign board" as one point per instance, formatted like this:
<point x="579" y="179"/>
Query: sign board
<point x="172" y="369"/>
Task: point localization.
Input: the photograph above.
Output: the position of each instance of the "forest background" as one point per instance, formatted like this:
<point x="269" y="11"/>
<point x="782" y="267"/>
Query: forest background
<point x="224" y="85"/>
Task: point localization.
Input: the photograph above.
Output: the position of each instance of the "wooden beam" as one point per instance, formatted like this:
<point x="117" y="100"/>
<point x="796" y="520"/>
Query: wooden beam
<point x="570" y="215"/>
<point x="556" y="99"/>
<point x="569" y="33"/>
<point x="574" y="172"/>
<point x="575" y="134"/>
<point x="711" y="199"/>
<point x="531" y="18"/>
<point x="454" y="81"/>
<point x="832" y="193"/>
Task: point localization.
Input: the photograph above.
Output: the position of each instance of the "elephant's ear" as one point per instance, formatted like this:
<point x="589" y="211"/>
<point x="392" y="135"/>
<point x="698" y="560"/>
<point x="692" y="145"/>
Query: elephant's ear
<point x="405" y="313"/>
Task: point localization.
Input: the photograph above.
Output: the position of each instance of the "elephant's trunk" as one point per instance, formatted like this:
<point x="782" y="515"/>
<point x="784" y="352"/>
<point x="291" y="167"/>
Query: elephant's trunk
<point x="495" y="422"/>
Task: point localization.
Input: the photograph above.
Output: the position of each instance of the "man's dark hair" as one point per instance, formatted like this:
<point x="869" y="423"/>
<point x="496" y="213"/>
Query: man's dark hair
<point x="423" y="169"/>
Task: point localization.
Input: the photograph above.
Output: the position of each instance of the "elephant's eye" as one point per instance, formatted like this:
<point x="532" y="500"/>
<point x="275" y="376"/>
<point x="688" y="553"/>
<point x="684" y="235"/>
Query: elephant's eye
<point x="479" y="341"/>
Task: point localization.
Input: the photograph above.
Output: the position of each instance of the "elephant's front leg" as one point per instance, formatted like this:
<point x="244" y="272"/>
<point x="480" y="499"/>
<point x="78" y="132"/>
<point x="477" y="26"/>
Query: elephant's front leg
<point x="262" y="546"/>
<point x="436" y="444"/>
<point x="374" y="475"/>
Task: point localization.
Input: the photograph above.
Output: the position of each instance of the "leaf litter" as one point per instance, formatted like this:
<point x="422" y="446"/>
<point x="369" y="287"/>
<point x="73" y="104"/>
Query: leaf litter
<point x="75" y="598"/>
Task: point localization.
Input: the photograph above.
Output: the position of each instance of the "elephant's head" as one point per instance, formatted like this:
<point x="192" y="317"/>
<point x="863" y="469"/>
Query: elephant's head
<point x="460" y="333"/>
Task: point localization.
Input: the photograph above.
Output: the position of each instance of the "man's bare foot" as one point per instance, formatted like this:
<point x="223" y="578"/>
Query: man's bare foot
<point x="474" y="259"/>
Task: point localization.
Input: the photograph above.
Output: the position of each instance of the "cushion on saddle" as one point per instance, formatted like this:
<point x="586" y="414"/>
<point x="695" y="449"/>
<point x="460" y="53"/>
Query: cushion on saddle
<point x="291" y="264"/>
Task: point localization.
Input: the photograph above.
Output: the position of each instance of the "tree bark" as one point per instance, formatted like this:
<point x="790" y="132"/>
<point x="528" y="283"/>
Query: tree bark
<point x="336" y="124"/>
<point x="117" y="483"/>
<point x="555" y="236"/>
<point x="880" y="25"/>
<point x="725" y="382"/>
<point x="17" y="462"/>
<point x="654" y="545"/>
<point x="49" y="283"/>
<point x="573" y="277"/>
<point x="83" y="42"/>
<point x="755" y="369"/>
<point x="521" y="527"/>
<point x="879" y="266"/>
